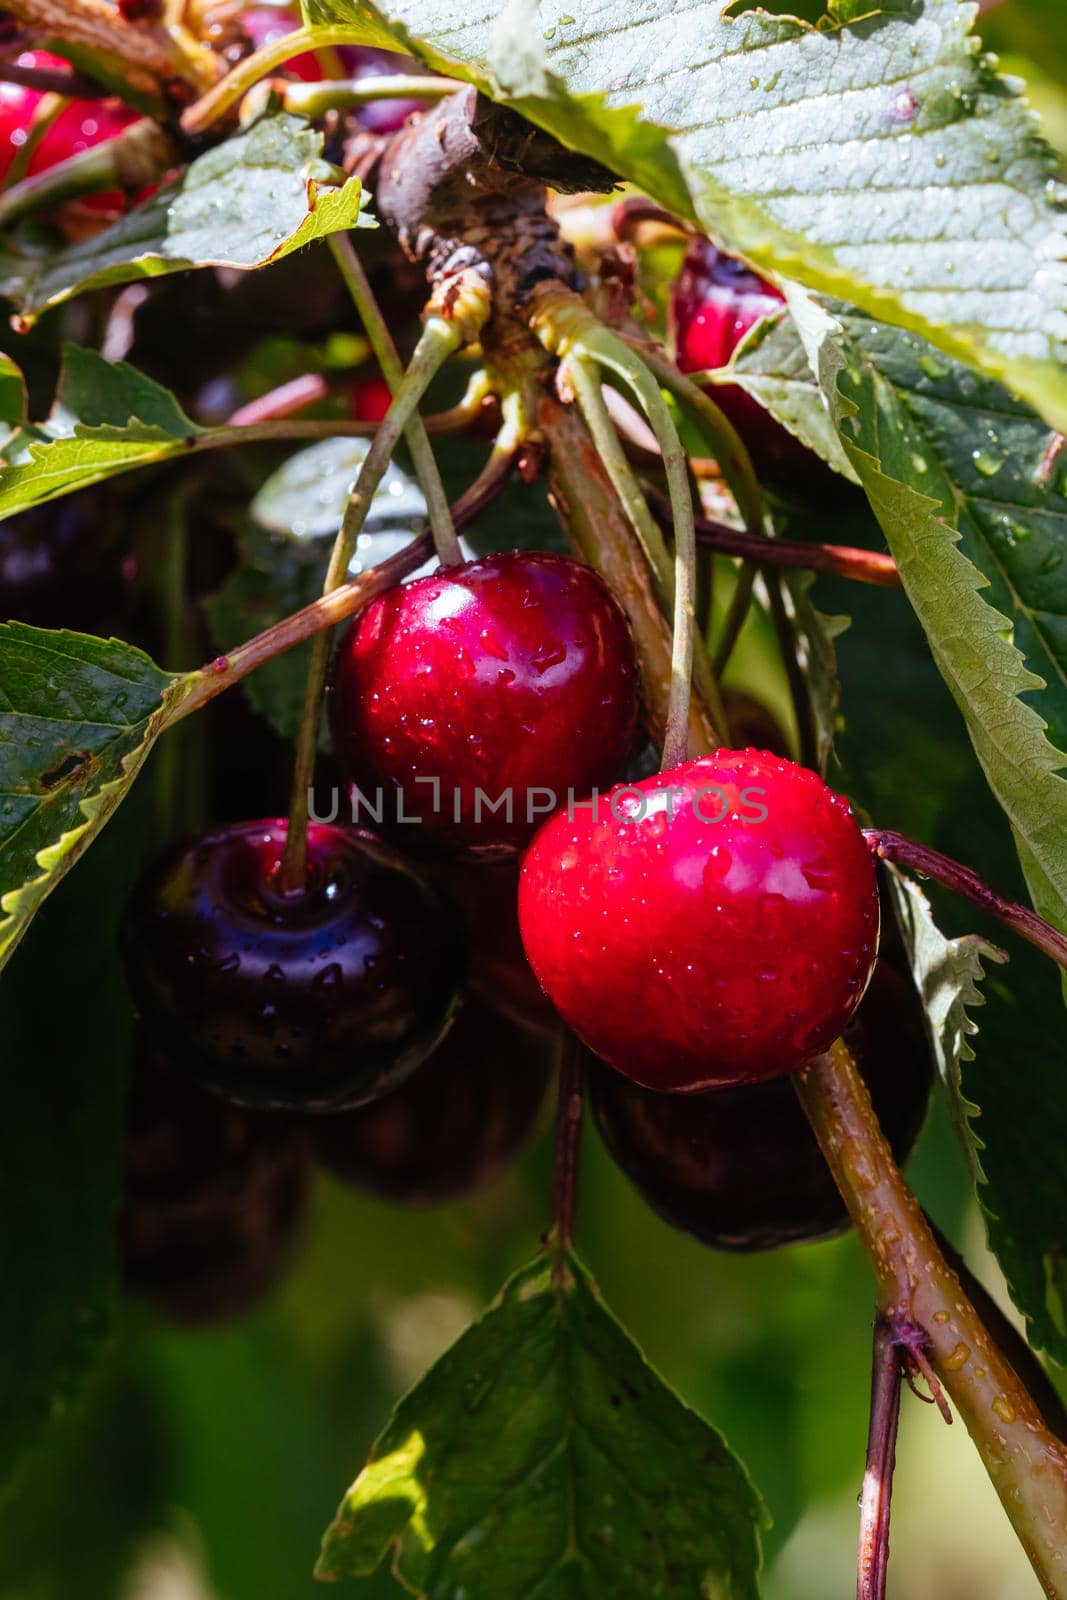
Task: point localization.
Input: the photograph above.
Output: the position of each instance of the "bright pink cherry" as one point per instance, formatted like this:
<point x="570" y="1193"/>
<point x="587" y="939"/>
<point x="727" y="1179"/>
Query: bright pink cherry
<point x="715" y="924"/>
<point x="504" y="683"/>
<point x="82" y="125"/>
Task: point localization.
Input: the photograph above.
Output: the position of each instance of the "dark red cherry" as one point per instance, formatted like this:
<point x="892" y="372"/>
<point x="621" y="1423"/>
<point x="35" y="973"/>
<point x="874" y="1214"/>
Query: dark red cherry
<point x="64" y="565"/>
<point x="212" y="1196"/>
<point x="81" y="125"/>
<point x="486" y="895"/>
<point x="716" y="301"/>
<point x="367" y="61"/>
<point x="315" y="1002"/>
<point x="740" y="1168"/>
<point x="715" y="924"/>
<point x="508" y="682"/>
<point x="370" y="399"/>
<point x="455" y="1124"/>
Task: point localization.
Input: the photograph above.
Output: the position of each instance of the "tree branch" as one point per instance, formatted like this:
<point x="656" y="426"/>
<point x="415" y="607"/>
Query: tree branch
<point x="1026" y="1462"/>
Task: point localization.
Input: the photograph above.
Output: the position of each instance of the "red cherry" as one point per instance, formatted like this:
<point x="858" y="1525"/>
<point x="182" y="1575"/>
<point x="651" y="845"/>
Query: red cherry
<point x="454" y="1125"/>
<point x="313" y="1002"/>
<point x="740" y="1168"/>
<point x="485" y="893"/>
<point x="509" y="681"/>
<point x="264" y="24"/>
<point x="716" y="301"/>
<point x="715" y="924"/>
<point x="82" y="125"/>
<point x="370" y="399"/>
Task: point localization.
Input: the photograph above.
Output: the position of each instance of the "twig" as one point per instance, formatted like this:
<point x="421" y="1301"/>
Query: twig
<point x="873" y="1556"/>
<point x="569" y="1108"/>
<point x="225" y="95"/>
<point x="222" y="673"/>
<point x="904" y="852"/>
<point x="1025" y="1460"/>
<point x="843" y="561"/>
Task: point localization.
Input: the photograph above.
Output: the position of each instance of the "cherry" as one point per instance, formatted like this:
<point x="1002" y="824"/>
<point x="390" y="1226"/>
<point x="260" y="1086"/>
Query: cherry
<point x="212" y="1195"/>
<point x="714" y="924"/>
<point x="264" y="24"/>
<point x="370" y="399"/>
<point x="456" y="1122"/>
<point x="63" y="565"/>
<point x="317" y="1001"/>
<point x="485" y="894"/>
<point x="508" y="682"/>
<point x="715" y="302"/>
<point x="82" y="125"/>
<point x="740" y="1168"/>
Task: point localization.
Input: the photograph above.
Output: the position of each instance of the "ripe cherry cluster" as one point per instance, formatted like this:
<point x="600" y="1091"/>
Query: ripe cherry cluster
<point x="395" y="1017"/>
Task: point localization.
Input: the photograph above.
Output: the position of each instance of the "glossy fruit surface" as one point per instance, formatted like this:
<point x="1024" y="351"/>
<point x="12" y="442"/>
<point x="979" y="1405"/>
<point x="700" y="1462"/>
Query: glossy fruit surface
<point x="212" y="1196"/>
<point x="315" y="1002"/>
<point x="740" y="1168"/>
<point x="82" y="125"/>
<point x="507" y="682"/>
<point x="716" y="301"/>
<point x="63" y="565"/>
<point x="456" y="1122"/>
<point x="712" y="925"/>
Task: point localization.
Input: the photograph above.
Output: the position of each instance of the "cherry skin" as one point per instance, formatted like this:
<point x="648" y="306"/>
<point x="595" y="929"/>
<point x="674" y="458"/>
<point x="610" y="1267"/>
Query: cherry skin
<point x="506" y="680"/>
<point x="716" y="301"/>
<point x="312" y="1002"/>
<point x="82" y="125"/>
<point x="212" y="1196"/>
<point x="264" y="24"/>
<point x="715" y="924"/>
<point x="454" y="1125"/>
<point x="740" y="1168"/>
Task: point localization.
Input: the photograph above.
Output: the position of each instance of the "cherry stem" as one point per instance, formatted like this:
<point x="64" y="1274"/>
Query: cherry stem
<point x="584" y="378"/>
<point x="569" y="330"/>
<point x="438" y="341"/>
<point x="842" y="560"/>
<point x="736" y="617"/>
<point x="236" y="84"/>
<point x="726" y="443"/>
<point x="1026" y="1462"/>
<point x="872" y="1561"/>
<point x="570" y="1106"/>
<point x="904" y="852"/>
<point x="388" y="359"/>
<point x="601" y="533"/>
<point x="313" y="100"/>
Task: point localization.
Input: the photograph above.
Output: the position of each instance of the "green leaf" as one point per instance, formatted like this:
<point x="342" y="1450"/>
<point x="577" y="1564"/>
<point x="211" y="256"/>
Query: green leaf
<point x="78" y="716"/>
<point x="772" y="365"/>
<point x="947" y="973"/>
<point x="253" y="199"/>
<point x="542" y="1457"/>
<point x="285" y="549"/>
<point x="882" y="161"/>
<point x="107" y="419"/>
<point x="950" y="467"/>
<point x="816" y="653"/>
